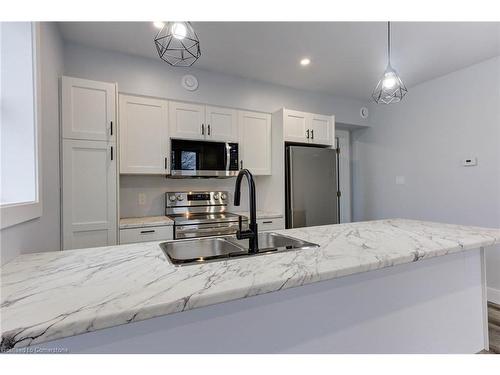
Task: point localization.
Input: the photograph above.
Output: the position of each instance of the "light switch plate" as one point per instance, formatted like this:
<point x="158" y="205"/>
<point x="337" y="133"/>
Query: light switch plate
<point x="469" y="162"/>
<point x="400" y="180"/>
<point x="142" y="199"/>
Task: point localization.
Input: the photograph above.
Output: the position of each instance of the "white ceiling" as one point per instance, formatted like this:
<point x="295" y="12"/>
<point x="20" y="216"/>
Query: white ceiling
<point x="347" y="58"/>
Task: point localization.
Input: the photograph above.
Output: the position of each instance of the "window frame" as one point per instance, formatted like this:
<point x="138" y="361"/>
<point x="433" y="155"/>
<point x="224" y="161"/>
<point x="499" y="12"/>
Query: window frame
<point x="17" y="213"/>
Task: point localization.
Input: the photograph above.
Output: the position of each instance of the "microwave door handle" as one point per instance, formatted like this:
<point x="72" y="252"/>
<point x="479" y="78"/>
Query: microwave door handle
<point x="228" y="156"/>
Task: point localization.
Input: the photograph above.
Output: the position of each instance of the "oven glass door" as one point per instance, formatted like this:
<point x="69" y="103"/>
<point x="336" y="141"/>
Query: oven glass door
<point x="205" y="230"/>
<point x="198" y="156"/>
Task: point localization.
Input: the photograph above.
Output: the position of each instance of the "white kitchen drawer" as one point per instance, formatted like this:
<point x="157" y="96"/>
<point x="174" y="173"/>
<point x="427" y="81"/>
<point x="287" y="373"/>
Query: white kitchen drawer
<point x="270" y="224"/>
<point x="144" y="234"/>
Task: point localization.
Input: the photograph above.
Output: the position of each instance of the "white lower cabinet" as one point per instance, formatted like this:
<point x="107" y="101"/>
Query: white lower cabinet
<point x="144" y="234"/>
<point x="255" y="142"/>
<point x="89" y="212"/>
<point x="264" y="225"/>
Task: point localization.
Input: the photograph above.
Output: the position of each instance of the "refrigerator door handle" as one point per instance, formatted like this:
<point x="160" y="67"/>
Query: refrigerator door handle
<point x="290" y="188"/>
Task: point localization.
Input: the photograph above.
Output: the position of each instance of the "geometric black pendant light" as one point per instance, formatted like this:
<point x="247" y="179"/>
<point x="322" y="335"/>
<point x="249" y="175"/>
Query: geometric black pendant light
<point x="390" y="88"/>
<point x="178" y="44"/>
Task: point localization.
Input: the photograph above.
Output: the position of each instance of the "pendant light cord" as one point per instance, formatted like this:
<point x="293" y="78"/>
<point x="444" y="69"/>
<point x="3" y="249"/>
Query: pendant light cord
<point x="389" y="42"/>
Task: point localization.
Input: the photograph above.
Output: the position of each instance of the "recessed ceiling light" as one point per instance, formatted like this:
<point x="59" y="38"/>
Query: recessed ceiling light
<point x="159" y="24"/>
<point x="305" y="61"/>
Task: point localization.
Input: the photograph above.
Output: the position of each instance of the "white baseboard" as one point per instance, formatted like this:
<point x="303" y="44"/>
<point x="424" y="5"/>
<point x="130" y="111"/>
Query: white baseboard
<point x="494" y="295"/>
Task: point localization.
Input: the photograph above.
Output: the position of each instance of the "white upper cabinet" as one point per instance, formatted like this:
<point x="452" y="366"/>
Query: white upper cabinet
<point x="198" y="121"/>
<point x="187" y="120"/>
<point x="88" y="109"/>
<point x="89" y="194"/>
<point x="222" y="124"/>
<point x="144" y="138"/>
<point x="304" y="127"/>
<point x="296" y="125"/>
<point x="255" y="142"/>
<point x="322" y="129"/>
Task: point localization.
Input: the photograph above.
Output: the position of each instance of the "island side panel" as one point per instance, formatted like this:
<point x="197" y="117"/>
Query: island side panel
<point x="431" y="306"/>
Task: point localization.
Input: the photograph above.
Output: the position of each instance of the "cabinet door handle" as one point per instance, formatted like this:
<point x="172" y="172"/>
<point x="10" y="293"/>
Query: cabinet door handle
<point x="166" y="163"/>
<point x="202" y="129"/>
<point x="312" y="134"/>
<point x="111" y="130"/>
<point x="241" y="164"/>
<point x="208" y="129"/>
<point x="111" y="153"/>
<point x="147" y="231"/>
<point x="307" y="133"/>
<point x="267" y="222"/>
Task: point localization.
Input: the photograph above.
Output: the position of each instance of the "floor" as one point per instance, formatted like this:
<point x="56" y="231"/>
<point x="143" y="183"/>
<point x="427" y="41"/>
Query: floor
<point x="493" y="328"/>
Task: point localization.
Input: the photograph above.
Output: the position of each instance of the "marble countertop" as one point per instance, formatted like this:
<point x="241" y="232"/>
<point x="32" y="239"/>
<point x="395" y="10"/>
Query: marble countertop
<point x="47" y="296"/>
<point x="148" y="221"/>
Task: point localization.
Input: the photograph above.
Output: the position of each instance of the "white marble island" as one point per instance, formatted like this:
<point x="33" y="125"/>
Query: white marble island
<point x="84" y="300"/>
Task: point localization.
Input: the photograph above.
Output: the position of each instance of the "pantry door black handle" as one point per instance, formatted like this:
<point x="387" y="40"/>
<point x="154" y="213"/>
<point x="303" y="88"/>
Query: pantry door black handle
<point x="111" y="153"/>
<point x="111" y="127"/>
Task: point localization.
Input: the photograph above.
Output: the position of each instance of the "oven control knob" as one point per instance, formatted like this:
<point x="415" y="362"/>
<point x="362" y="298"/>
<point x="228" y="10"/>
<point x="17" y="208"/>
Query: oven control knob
<point x="180" y="197"/>
<point x="172" y="198"/>
<point x="216" y="196"/>
<point x="223" y="196"/>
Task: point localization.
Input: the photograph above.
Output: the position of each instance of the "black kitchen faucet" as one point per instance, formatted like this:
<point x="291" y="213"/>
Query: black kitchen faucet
<point x="251" y="233"/>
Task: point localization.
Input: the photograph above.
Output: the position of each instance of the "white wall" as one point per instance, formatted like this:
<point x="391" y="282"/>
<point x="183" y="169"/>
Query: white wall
<point x="424" y="139"/>
<point x="43" y="234"/>
<point x="138" y="75"/>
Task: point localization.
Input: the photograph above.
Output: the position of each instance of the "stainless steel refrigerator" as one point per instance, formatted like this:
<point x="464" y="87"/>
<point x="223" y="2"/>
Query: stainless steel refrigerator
<point x="311" y="186"/>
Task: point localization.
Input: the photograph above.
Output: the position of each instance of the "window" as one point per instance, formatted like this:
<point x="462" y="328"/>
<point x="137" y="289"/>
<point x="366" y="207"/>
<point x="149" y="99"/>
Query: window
<point x="19" y="154"/>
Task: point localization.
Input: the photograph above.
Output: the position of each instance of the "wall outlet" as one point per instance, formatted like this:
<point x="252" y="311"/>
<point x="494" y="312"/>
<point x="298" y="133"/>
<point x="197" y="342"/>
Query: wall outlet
<point x="400" y="180"/>
<point x="142" y="199"/>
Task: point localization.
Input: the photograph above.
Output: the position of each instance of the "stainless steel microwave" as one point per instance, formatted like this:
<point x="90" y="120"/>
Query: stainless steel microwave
<point x="203" y="159"/>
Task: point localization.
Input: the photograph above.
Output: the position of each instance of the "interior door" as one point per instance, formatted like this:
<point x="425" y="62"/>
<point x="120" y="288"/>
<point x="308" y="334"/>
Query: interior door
<point x="89" y="194"/>
<point x="144" y="140"/>
<point x="222" y="124"/>
<point x="311" y="186"/>
<point x="296" y="125"/>
<point x="88" y="109"/>
<point x="322" y="129"/>
<point x="187" y="120"/>
<point x="255" y="142"/>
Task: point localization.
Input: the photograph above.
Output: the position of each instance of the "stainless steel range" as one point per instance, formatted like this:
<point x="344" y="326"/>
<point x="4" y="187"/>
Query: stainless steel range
<point x="201" y="214"/>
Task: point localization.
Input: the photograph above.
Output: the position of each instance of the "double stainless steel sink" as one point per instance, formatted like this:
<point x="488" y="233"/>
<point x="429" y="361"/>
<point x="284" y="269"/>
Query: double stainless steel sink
<point x="198" y="251"/>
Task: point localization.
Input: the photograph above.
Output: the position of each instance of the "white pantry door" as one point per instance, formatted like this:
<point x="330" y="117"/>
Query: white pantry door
<point x="144" y="141"/>
<point x="88" y="109"/>
<point x="89" y="194"/>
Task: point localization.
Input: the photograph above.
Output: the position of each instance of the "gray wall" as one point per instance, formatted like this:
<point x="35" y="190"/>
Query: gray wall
<point x="139" y="75"/>
<point x="424" y="139"/>
<point x="43" y="234"/>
